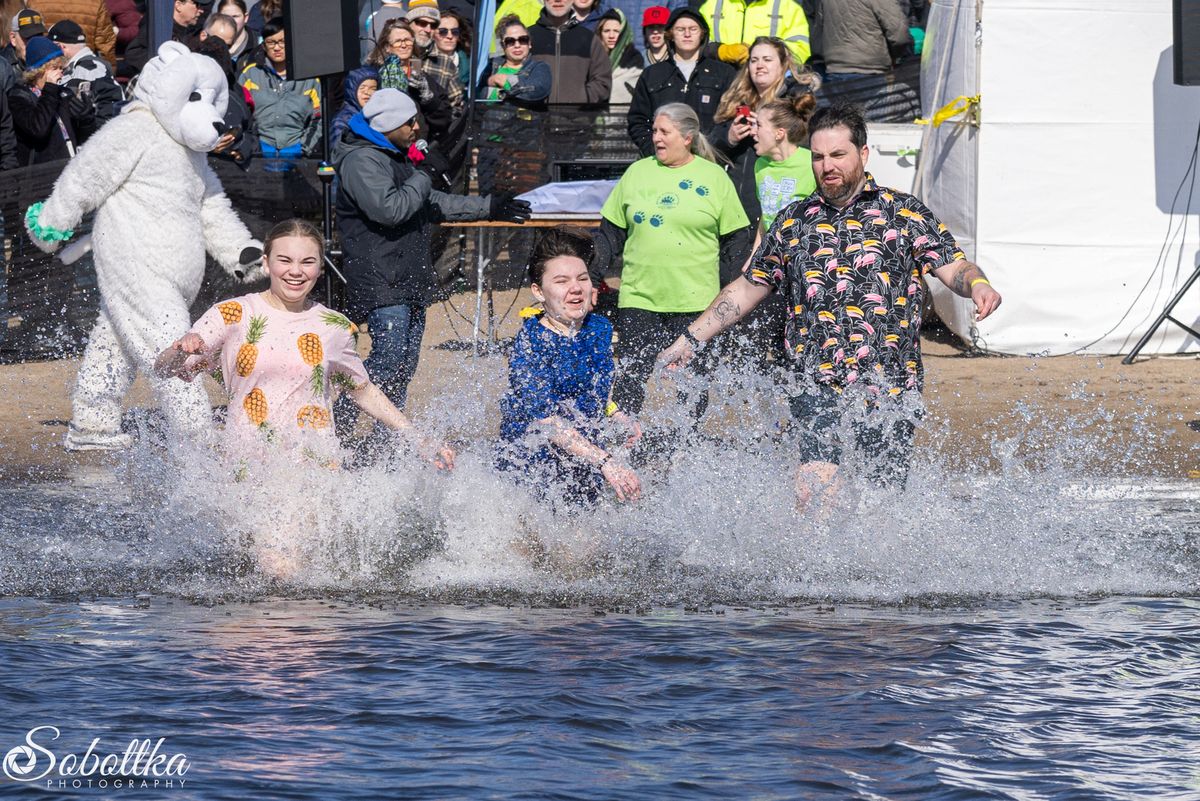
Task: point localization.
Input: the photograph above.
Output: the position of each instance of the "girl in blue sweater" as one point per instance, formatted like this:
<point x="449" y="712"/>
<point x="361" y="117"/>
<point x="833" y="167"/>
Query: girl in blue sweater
<point x="560" y="375"/>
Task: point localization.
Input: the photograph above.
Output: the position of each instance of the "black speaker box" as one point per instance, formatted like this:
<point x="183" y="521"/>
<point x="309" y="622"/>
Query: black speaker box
<point x="1186" y="18"/>
<point x="322" y="37"/>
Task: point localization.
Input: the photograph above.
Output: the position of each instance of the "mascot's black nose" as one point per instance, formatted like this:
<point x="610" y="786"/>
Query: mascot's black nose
<point x="194" y="97"/>
<point x="221" y="128"/>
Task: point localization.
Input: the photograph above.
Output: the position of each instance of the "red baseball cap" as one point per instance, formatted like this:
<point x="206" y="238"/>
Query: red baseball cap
<point x="656" y="15"/>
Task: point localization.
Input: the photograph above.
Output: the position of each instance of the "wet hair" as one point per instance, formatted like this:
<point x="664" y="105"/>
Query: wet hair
<point x="841" y="115"/>
<point x="272" y="27"/>
<point x="792" y="115"/>
<point x="686" y="120"/>
<point x="556" y="242"/>
<point x="294" y="227"/>
<point x="506" y="22"/>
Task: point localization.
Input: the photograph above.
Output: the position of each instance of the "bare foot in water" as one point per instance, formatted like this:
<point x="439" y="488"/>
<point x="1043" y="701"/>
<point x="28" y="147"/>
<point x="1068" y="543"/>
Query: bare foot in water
<point x="276" y="560"/>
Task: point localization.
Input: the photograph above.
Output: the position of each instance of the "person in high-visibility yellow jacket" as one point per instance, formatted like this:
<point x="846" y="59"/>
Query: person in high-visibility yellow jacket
<point x="736" y="24"/>
<point x="527" y="10"/>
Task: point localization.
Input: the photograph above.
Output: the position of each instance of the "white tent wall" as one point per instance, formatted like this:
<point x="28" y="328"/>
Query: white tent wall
<point x="946" y="179"/>
<point x="1083" y="143"/>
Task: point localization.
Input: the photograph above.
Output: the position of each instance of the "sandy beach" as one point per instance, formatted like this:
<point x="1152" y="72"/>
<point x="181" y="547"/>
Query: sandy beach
<point x="1124" y="419"/>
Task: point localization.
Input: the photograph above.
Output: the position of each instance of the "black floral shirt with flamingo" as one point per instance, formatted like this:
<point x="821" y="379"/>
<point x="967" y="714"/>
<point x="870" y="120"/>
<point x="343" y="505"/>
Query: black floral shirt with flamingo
<point x="853" y="281"/>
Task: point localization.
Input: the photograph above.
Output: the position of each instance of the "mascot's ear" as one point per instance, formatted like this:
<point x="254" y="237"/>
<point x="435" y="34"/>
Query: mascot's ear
<point x="169" y="51"/>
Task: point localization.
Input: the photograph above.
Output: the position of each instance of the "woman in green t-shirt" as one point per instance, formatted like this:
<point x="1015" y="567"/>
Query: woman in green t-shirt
<point x="783" y="170"/>
<point x="675" y="219"/>
<point x="782" y="174"/>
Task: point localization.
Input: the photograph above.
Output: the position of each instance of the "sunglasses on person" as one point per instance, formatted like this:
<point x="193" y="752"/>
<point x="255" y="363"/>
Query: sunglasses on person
<point x="447" y="32"/>
<point x="510" y="41"/>
<point x="423" y="23"/>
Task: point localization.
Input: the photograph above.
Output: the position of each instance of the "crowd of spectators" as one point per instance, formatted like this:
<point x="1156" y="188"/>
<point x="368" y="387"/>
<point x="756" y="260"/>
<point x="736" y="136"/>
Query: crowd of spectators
<point x="67" y="65"/>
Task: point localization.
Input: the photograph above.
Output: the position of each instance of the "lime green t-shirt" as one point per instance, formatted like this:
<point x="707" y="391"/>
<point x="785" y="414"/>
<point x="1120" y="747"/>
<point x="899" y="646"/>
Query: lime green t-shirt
<point x="674" y="217"/>
<point x="493" y="92"/>
<point x="781" y="183"/>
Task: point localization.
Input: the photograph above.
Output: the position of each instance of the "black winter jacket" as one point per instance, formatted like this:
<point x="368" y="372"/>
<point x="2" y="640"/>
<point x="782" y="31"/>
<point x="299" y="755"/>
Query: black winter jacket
<point x="386" y="210"/>
<point x="663" y="83"/>
<point x="36" y="119"/>
<point x="8" y="139"/>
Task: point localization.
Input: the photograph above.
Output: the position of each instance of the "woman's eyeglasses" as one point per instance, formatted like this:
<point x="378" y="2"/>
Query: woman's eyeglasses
<point x="510" y="41"/>
<point x="447" y="32"/>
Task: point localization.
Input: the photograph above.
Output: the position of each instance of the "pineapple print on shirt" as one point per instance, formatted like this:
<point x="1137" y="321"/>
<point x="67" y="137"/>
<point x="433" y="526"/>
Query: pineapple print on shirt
<point x="255" y="404"/>
<point x="282" y="368"/>
<point x="248" y="352"/>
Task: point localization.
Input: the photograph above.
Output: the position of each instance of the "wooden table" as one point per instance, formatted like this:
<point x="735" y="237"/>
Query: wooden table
<point x="484" y="231"/>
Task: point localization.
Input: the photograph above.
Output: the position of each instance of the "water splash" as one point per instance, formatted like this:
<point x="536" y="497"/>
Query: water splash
<point x="1033" y="517"/>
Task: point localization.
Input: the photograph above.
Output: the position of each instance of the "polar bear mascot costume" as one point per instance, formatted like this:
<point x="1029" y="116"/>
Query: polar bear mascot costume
<point x="159" y="206"/>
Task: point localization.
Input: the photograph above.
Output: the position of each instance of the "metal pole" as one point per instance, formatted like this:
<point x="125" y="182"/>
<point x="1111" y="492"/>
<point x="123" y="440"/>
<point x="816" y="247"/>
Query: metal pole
<point x="480" y="271"/>
<point x="160" y="25"/>
<point x="1165" y="316"/>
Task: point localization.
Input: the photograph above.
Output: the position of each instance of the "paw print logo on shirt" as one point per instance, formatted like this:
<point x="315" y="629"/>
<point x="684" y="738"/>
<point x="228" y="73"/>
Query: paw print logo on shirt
<point x="656" y="220"/>
<point x="686" y="184"/>
<point x="702" y="190"/>
<point x="639" y="217"/>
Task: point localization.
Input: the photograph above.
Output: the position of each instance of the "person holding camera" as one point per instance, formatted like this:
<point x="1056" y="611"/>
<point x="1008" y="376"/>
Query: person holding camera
<point x="386" y="210"/>
<point x="769" y="74"/>
<point x="85" y="73"/>
<point x="50" y="121"/>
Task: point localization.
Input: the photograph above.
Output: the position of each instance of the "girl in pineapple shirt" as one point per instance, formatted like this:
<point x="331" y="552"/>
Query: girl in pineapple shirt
<point x="283" y="357"/>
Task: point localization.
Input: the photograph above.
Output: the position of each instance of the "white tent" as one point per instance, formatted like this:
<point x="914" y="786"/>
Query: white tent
<point x="1074" y="192"/>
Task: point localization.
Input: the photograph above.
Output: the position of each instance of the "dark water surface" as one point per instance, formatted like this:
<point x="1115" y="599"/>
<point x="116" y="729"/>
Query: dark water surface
<point x="325" y="699"/>
<point x="1027" y="635"/>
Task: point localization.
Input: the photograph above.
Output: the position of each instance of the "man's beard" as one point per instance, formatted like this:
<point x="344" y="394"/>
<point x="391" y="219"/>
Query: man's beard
<point x="849" y="186"/>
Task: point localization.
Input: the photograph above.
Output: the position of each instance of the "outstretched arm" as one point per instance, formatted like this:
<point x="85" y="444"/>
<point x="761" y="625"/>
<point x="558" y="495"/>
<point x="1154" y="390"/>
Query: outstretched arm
<point x="371" y="400"/>
<point x="731" y="304"/>
<point x="177" y="360"/>
<point x="225" y="235"/>
<point x="92" y="176"/>
<point x="967" y="280"/>
<point x="566" y="437"/>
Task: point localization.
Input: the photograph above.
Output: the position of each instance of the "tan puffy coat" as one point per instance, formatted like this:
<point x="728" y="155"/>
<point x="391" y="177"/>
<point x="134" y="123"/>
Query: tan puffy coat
<point x="92" y="16"/>
<point x="858" y="35"/>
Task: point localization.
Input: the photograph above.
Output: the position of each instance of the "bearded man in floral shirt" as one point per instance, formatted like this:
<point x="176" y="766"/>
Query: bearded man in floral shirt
<point x="851" y="259"/>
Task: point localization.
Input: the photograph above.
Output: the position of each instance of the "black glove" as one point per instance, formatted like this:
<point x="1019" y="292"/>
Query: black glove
<point x="436" y="167"/>
<point x="249" y="260"/>
<point x="505" y="208"/>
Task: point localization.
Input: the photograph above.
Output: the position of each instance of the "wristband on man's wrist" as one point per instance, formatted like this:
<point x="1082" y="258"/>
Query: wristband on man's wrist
<point x="692" y="340"/>
<point x="980" y="281"/>
<point x="607" y="458"/>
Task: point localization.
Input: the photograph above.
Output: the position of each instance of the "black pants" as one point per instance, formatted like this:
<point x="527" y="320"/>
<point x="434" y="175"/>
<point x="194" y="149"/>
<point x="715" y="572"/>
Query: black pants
<point x="641" y="336"/>
<point x="755" y="345"/>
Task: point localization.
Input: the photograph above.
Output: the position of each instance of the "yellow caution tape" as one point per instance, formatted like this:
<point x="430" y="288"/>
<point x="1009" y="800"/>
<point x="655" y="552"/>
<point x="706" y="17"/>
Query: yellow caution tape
<point x="959" y="105"/>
